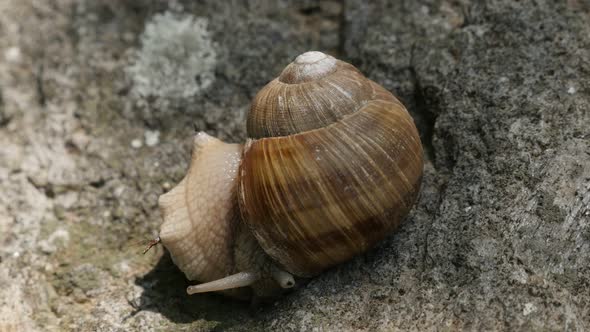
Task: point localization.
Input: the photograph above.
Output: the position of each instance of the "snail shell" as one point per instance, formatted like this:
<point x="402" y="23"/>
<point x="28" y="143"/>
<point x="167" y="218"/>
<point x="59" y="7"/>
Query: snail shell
<point x="332" y="165"/>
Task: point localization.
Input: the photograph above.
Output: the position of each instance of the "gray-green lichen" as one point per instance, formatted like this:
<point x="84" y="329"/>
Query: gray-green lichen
<point x="177" y="57"/>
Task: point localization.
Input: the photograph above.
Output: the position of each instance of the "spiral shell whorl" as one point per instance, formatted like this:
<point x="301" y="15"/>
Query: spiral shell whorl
<point x="307" y="67"/>
<point x="313" y="91"/>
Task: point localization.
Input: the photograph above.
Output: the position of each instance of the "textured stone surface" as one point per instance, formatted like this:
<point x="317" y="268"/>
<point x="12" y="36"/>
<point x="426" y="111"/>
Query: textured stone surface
<point x="500" y="90"/>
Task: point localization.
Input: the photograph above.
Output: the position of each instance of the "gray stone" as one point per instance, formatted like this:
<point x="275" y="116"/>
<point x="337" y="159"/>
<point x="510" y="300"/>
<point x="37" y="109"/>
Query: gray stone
<point x="3" y="116"/>
<point x="499" y="240"/>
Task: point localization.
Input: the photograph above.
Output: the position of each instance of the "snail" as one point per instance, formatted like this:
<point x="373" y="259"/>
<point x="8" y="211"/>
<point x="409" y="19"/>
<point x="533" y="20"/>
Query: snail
<point x="332" y="165"/>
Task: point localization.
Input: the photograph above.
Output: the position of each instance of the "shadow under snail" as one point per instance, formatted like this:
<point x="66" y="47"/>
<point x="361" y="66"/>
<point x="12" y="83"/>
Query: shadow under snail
<point x="332" y="165"/>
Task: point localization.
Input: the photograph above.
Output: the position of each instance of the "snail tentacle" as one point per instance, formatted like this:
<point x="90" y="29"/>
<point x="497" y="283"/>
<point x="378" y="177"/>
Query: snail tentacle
<point x="237" y="280"/>
<point x="151" y="244"/>
<point x="283" y="278"/>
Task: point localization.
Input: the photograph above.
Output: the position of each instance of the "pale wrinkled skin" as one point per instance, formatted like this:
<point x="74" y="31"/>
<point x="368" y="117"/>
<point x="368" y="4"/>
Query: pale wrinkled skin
<point x="202" y="229"/>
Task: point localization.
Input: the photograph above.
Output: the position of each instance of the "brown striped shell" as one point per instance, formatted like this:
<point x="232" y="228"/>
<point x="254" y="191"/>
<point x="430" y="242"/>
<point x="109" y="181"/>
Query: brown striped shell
<point x="332" y="165"/>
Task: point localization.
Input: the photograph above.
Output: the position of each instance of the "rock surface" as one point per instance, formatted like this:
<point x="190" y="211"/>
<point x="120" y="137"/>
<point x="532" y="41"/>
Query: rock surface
<point x="500" y="239"/>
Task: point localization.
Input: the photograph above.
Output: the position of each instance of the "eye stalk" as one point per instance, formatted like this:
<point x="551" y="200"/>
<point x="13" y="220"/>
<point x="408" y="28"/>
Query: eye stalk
<point x="237" y="280"/>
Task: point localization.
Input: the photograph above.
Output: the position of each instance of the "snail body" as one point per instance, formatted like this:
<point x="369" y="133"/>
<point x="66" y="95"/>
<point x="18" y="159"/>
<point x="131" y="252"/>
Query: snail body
<point x="332" y="165"/>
